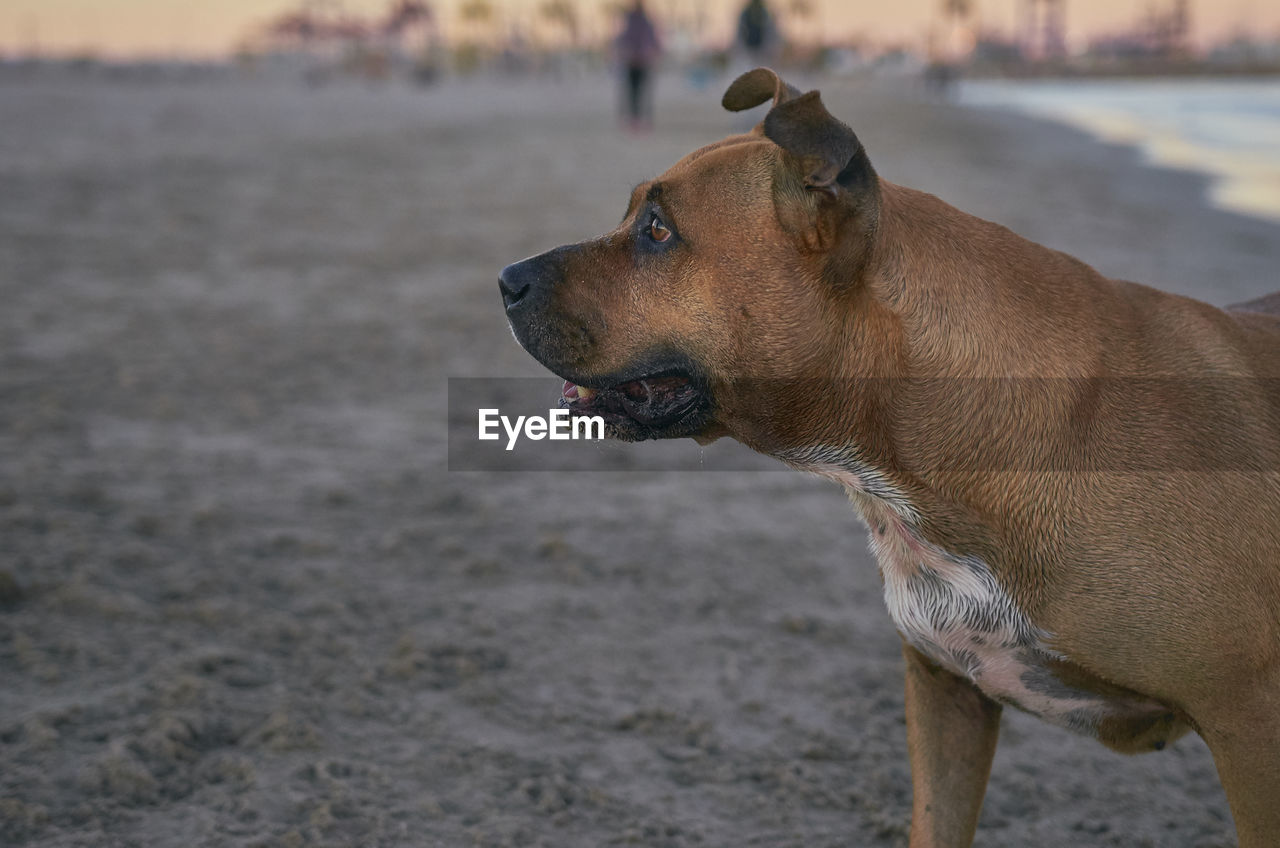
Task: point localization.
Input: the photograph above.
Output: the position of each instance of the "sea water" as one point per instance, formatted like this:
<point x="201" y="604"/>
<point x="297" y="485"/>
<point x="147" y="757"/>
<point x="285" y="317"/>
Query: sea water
<point x="1228" y="129"/>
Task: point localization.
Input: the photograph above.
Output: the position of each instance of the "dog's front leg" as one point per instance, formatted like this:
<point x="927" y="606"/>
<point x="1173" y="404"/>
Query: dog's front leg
<point x="951" y="736"/>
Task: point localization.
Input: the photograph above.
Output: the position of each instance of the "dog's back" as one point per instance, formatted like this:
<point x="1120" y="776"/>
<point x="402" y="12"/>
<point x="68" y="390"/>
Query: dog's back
<point x="1260" y="319"/>
<point x="1268" y="304"/>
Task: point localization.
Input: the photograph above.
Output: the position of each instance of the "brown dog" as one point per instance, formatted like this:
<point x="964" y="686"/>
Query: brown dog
<point x="1072" y="483"/>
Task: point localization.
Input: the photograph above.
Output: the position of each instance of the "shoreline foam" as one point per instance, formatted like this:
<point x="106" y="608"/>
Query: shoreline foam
<point x="1229" y="130"/>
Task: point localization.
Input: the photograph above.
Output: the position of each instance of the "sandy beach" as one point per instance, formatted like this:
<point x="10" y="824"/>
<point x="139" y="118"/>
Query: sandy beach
<point x="243" y="602"/>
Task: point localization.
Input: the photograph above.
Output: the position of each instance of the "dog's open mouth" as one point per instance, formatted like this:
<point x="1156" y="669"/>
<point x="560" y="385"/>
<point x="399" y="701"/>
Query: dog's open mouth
<point x="647" y="408"/>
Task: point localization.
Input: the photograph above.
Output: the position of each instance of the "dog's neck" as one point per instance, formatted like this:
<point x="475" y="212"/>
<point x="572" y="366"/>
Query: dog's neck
<point x="949" y="311"/>
<point x="973" y="299"/>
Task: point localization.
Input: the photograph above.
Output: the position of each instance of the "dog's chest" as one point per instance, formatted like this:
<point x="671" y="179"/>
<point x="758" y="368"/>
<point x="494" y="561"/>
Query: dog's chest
<point x="952" y="609"/>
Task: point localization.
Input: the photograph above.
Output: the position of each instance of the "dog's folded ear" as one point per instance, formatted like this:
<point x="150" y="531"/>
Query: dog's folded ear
<point x="827" y="186"/>
<point x="755" y="87"/>
<point x="827" y="150"/>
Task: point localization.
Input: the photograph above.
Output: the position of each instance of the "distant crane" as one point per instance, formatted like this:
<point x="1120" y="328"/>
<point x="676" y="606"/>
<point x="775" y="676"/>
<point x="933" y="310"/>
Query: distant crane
<point x="1167" y="31"/>
<point x="1044" y="29"/>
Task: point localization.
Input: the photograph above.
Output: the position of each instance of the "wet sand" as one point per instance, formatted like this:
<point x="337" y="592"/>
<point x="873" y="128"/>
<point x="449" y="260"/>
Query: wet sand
<point x="243" y="602"/>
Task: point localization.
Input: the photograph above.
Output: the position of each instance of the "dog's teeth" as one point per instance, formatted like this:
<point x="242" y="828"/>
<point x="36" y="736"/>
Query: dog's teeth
<point x="585" y="393"/>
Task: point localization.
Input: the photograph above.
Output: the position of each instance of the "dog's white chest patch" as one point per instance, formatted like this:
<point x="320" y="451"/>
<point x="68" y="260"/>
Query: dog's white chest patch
<point x="953" y="609"/>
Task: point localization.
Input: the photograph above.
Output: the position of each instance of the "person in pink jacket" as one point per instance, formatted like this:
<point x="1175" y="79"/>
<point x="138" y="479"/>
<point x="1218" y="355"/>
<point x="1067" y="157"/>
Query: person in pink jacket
<point x="638" y="48"/>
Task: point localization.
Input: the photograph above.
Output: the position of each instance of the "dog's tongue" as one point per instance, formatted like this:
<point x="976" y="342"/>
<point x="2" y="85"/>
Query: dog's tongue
<point x="572" y="391"/>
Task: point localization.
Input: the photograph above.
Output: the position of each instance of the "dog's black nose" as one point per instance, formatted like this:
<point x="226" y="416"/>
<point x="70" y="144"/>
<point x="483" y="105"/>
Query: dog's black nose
<point x="514" y="283"/>
<point x="527" y="283"/>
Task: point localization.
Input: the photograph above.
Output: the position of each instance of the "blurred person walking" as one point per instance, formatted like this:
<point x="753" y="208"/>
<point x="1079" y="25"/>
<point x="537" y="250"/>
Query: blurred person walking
<point x="638" y="49"/>
<point x="758" y="36"/>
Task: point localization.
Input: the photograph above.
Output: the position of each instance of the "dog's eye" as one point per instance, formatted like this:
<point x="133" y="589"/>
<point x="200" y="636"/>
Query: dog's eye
<point x="657" y="230"/>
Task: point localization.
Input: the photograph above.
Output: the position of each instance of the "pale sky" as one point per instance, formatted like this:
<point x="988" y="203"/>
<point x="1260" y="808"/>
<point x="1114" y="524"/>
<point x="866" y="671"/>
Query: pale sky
<point x="213" y="27"/>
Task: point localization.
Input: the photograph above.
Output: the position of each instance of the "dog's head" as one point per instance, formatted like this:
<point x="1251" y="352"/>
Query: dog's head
<point x="724" y="292"/>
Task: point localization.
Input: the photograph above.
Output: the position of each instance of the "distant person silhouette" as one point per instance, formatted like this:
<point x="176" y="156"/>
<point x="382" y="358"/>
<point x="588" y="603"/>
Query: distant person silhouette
<point x="638" y="49"/>
<point x="757" y="33"/>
